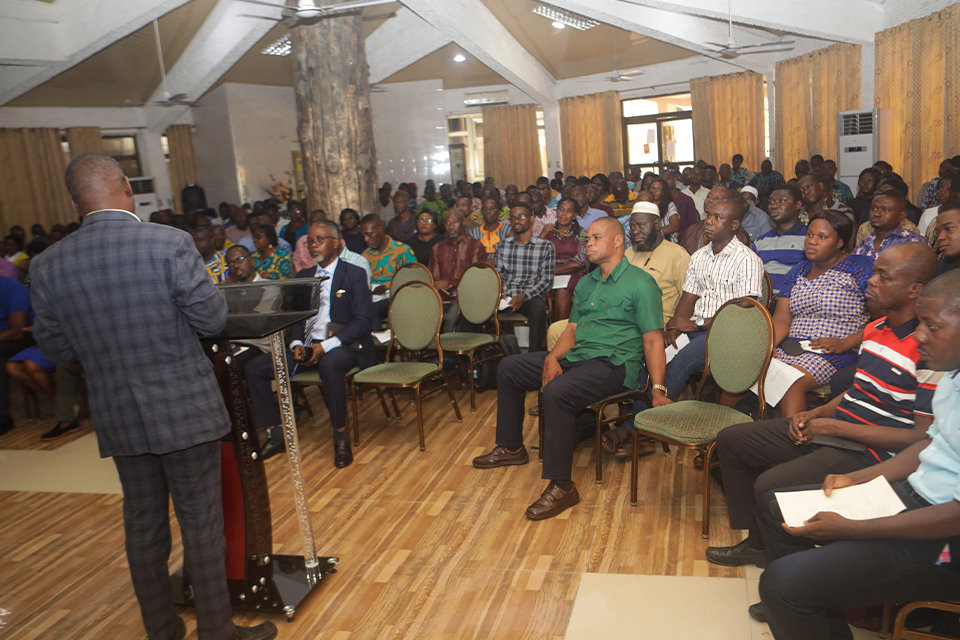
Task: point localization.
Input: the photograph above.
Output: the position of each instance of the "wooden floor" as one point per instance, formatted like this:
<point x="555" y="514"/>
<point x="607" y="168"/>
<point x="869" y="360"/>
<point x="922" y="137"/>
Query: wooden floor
<point x="429" y="546"/>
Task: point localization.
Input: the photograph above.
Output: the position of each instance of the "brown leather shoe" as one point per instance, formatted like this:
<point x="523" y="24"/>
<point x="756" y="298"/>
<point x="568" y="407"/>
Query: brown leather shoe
<point x="501" y="457"/>
<point x="553" y="501"/>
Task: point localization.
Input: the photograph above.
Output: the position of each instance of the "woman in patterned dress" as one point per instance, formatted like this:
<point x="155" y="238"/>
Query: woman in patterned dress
<point x="272" y="262"/>
<point x="822" y="300"/>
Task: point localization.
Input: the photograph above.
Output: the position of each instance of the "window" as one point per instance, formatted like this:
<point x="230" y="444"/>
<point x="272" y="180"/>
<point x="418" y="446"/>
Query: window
<point x="123" y="149"/>
<point x="657" y="131"/>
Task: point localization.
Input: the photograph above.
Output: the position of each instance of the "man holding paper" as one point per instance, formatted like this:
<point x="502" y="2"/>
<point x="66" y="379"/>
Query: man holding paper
<point x="907" y="556"/>
<point x="887" y="410"/>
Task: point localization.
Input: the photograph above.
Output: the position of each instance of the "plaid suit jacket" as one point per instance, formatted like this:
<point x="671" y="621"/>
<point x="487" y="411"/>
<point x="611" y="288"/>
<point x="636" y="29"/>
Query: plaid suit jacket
<point x="128" y="299"/>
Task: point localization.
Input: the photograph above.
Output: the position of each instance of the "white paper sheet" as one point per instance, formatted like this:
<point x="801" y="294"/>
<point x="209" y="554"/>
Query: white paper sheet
<point x="377" y="297"/>
<point x="780" y="377"/>
<point x="874" y="499"/>
<point x="682" y="341"/>
<point x="504" y="303"/>
<point x="806" y="347"/>
<point x="561" y="282"/>
<point x="382" y="337"/>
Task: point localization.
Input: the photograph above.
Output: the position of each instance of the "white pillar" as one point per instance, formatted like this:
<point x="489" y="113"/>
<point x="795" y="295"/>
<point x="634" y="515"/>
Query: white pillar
<point x="551" y="130"/>
<point x="868" y="66"/>
<point x="772" y="117"/>
<point x="154" y="164"/>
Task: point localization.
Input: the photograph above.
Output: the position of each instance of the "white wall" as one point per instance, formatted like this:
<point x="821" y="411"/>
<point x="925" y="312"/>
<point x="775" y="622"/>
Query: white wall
<point x="216" y="150"/>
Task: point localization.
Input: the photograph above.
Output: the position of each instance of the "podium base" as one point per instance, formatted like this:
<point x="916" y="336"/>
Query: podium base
<point x="292" y="583"/>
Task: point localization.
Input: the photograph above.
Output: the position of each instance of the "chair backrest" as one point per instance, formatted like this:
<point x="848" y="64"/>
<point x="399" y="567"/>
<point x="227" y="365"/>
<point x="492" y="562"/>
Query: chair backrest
<point x="478" y="294"/>
<point x="415" y="315"/>
<point x="766" y="290"/>
<point x="411" y="272"/>
<point x="740" y="346"/>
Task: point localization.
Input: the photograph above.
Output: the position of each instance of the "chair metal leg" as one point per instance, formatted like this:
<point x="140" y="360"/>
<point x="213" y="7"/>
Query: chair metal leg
<point x="599" y="479"/>
<point x="473" y="395"/>
<point x="393" y="399"/>
<point x="634" y="469"/>
<point x="540" y="428"/>
<point x="707" y="459"/>
<point x="383" y="403"/>
<point x="356" y="422"/>
<point x="453" y="399"/>
<point x="419" y="403"/>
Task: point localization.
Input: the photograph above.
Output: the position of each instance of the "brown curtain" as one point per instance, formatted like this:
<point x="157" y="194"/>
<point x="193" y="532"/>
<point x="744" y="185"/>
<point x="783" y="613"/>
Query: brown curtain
<point x="32" y="189"/>
<point x="84" y="140"/>
<point x="917" y="79"/>
<point x="591" y="134"/>
<point x="728" y="118"/>
<point x="511" y="145"/>
<point x="811" y="89"/>
<point x="183" y="161"/>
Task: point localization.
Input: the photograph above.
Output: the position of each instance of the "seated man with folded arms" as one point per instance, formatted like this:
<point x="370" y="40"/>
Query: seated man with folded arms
<point x="449" y="258"/>
<point x="904" y="557"/>
<point x="334" y="341"/>
<point x="616" y="321"/>
<point x="887" y="409"/>
<point x="526" y="264"/>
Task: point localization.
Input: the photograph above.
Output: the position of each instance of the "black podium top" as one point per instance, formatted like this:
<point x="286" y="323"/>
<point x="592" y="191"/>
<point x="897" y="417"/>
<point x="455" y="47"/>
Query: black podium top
<point x="258" y="309"/>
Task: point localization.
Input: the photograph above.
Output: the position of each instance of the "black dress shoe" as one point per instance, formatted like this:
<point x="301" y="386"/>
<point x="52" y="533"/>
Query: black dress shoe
<point x="342" y="455"/>
<point x="60" y="430"/>
<point x="756" y="612"/>
<point x="265" y="631"/>
<point x="274" y="445"/>
<point x="737" y="555"/>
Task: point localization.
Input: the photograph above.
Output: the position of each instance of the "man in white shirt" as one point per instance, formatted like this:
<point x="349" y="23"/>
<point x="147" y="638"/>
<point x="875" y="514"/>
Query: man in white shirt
<point x="346" y="306"/>
<point x="697" y="192"/>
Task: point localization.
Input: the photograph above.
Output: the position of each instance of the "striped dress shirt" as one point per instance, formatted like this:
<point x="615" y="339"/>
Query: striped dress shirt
<point x="735" y="272"/>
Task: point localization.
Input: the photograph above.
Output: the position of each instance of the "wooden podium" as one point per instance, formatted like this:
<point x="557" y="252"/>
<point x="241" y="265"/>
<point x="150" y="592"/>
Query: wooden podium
<point x="259" y="580"/>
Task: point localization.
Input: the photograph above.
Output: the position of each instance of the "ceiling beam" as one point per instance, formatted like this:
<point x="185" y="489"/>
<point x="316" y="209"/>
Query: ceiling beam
<point x="75" y="37"/>
<point x="473" y="27"/>
<point x="223" y="38"/>
<point x="854" y="21"/>
<point x="399" y="42"/>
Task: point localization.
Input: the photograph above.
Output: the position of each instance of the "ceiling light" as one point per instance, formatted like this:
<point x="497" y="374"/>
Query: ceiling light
<point x="279" y="48"/>
<point x="559" y="25"/>
<point x="459" y="57"/>
<point x="565" y="17"/>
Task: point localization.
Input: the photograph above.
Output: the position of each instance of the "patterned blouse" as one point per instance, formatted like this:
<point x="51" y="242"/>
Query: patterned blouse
<point x="277" y="267"/>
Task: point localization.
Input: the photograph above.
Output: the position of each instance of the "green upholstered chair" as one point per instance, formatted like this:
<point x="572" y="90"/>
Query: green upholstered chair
<point x="478" y="295"/>
<point x="410" y="272"/>
<point x="766" y="292"/>
<point x="625" y="398"/>
<point x="739" y="348"/>
<point x="311" y="378"/>
<point x="415" y="315"/>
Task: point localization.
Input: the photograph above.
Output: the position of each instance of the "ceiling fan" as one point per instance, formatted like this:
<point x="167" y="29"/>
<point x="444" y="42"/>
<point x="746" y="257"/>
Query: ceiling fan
<point x="309" y="10"/>
<point x="169" y="100"/>
<point x="730" y="49"/>
<point x="617" y="76"/>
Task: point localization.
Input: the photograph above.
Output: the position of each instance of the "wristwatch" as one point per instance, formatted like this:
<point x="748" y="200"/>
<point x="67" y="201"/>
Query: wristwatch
<point x="660" y="387"/>
<point x="699" y="323"/>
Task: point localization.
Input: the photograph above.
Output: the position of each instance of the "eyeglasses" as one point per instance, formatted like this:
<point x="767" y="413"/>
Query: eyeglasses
<point x="519" y="218"/>
<point x="319" y="240"/>
<point x="237" y="261"/>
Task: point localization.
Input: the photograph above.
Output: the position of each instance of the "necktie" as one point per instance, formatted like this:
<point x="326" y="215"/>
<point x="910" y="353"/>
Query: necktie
<point x="312" y="322"/>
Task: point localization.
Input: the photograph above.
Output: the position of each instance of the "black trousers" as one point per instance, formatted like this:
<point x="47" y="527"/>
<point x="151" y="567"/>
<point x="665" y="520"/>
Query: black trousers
<point x="192" y="478"/>
<point x="333" y="368"/>
<point x="582" y="383"/>
<point x="536" y="311"/>
<point x="805" y="588"/>
<point x="746" y="452"/>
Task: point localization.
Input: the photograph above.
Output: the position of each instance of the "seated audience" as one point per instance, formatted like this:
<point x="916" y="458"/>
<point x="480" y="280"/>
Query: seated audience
<point x="449" y="258"/>
<point x="822" y="301"/>
<point x="766" y="182"/>
<point x="350" y="230"/>
<point x="695" y="190"/>
<point x="817" y="196"/>
<point x="783" y="247"/>
<point x="942" y="193"/>
<point x="272" y="262"/>
<point x="696" y="236"/>
<point x="669" y="216"/>
<point x="596" y="200"/>
<point x="839" y="191"/>
<point x="927" y="196"/>
<point x="432" y="203"/>
<point x="333" y="342"/>
<point x="15" y="253"/>
<point x="621" y="198"/>
<point x="239" y="229"/>
<point x="887" y="409"/>
<point x="15" y="316"/>
<point x="756" y="222"/>
<point x="220" y="242"/>
<point x="891" y="181"/>
<point x="403" y="225"/>
<point x="867" y="186"/>
<point x="570" y="243"/>
<point x="212" y="259"/>
<point x="585" y="214"/>
<point x="616" y="322"/>
<point x="385" y="256"/>
<point x="33" y="371"/>
<point x="665" y="261"/>
<point x="543" y="215"/>
<point x="526" y="264"/>
<point x="686" y="208"/>
<point x="423" y="241"/>
<point x="898" y="558"/>
<point x="255" y="221"/>
<point x="739" y="175"/>
<point x="297" y="227"/>
<point x="948" y="237"/>
<point x="888" y="211"/>
<point x="493" y="230"/>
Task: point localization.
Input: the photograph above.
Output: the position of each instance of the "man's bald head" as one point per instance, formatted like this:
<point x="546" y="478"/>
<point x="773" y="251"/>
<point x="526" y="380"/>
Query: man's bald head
<point x="610" y="226"/>
<point x="96" y="181"/>
<point x="946" y="288"/>
<point x="917" y="261"/>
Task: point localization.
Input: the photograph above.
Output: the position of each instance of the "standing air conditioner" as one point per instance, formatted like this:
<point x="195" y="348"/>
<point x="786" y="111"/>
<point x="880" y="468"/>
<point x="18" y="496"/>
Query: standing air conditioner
<point x="863" y="137"/>
<point x="145" y="197"/>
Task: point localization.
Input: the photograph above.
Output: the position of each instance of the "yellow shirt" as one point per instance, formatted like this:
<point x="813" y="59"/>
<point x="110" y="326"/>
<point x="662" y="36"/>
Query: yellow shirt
<point x="668" y="265"/>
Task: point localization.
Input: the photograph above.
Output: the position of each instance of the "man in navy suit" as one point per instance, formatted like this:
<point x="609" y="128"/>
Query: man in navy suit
<point x="346" y="302"/>
<point x="127" y="299"/>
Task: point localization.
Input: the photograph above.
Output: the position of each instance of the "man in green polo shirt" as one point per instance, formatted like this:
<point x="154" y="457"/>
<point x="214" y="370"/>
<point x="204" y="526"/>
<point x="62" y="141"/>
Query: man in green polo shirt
<point x="617" y="319"/>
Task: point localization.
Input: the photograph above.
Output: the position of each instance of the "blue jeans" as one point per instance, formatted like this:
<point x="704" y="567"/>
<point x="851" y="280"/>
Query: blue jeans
<point x="689" y="360"/>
